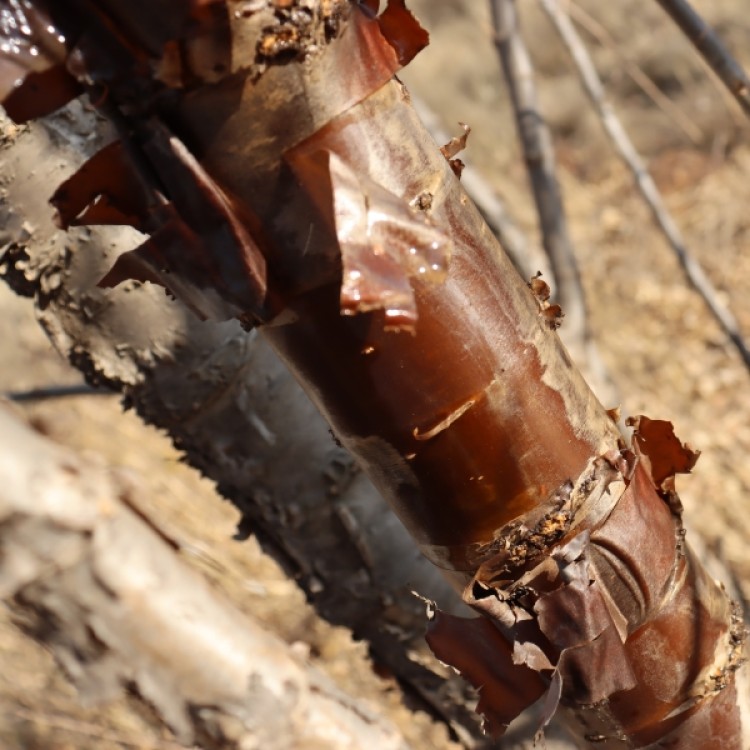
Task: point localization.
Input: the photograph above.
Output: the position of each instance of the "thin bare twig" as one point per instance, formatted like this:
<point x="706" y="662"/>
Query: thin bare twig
<point x="711" y="48"/>
<point x="57" y="391"/>
<point x="636" y="73"/>
<point x="540" y="162"/>
<point x="624" y="146"/>
<point x="539" y="154"/>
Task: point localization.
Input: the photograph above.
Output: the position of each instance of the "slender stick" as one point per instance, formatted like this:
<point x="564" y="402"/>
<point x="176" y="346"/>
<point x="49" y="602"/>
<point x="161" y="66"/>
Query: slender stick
<point x="636" y="73"/>
<point x="540" y="162"/>
<point x="56" y="391"/>
<point x="711" y="48"/>
<point x="624" y="146"/>
<point x="539" y="154"/>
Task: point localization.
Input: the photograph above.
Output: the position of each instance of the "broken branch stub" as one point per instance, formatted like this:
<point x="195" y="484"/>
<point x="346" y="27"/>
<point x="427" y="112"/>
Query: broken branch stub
<point x="476" y="427"/>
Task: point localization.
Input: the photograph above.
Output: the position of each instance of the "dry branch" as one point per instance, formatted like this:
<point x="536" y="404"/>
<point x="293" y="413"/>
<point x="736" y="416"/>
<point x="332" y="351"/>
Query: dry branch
<point x="645" y="183"/>
<point x="539" y="156"/>
<point x="94" y="581"/>
<point x="536" y="142"/>
<point x="712" y="49"/>
<point x="527" y="258"/>
<point x="637" y="74"/>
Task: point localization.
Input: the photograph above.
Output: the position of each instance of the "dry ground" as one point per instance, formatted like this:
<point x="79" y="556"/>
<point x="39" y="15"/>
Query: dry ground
<point x="666" y="354"/>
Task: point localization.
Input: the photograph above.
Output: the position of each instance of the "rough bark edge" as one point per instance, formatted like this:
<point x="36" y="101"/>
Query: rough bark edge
<point x="583" y="600"/>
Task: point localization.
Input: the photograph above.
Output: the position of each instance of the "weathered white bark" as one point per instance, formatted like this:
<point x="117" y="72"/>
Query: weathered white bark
<point x="108" y="593"/>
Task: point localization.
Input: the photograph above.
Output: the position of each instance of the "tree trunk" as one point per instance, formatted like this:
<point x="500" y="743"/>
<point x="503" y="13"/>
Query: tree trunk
<point x="290" y="185"/>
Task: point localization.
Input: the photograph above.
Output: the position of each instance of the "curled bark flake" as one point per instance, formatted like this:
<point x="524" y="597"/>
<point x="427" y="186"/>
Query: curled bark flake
<point x="384" y="243"/>
<point x="615" y="413"/>
<point x="199" y="248"/>
<point x="105" y="190"/>
<point x="457" y="143"/>
<point x="505" y="607"/>
<point x="540" y="288"/>
<point x="530" y="654"/>
<point x="399" y="28"/>
<point x="551" y="702"/>
<point x="478" y="651"/>
<point x="661" y="450"/>
<point x="443" y="424"/>
<point x="453" y="147"/>
<point x="577" y="621"/>
<point x="551" y="314"/>
<point x="622" y="459"/>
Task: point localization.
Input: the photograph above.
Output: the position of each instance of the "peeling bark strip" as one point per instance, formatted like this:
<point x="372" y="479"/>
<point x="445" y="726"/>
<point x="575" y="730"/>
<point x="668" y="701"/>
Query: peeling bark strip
<point x="601" y="594"/>
<point x="592" y="585"/>
<point x="109" y="595"/>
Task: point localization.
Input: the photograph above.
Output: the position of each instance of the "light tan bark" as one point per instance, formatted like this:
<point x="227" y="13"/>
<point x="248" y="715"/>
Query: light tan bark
<point x="109" y="595"/>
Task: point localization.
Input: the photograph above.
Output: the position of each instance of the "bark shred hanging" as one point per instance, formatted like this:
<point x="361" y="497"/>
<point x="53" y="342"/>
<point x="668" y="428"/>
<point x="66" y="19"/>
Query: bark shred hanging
<point x="576" y="602"/>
